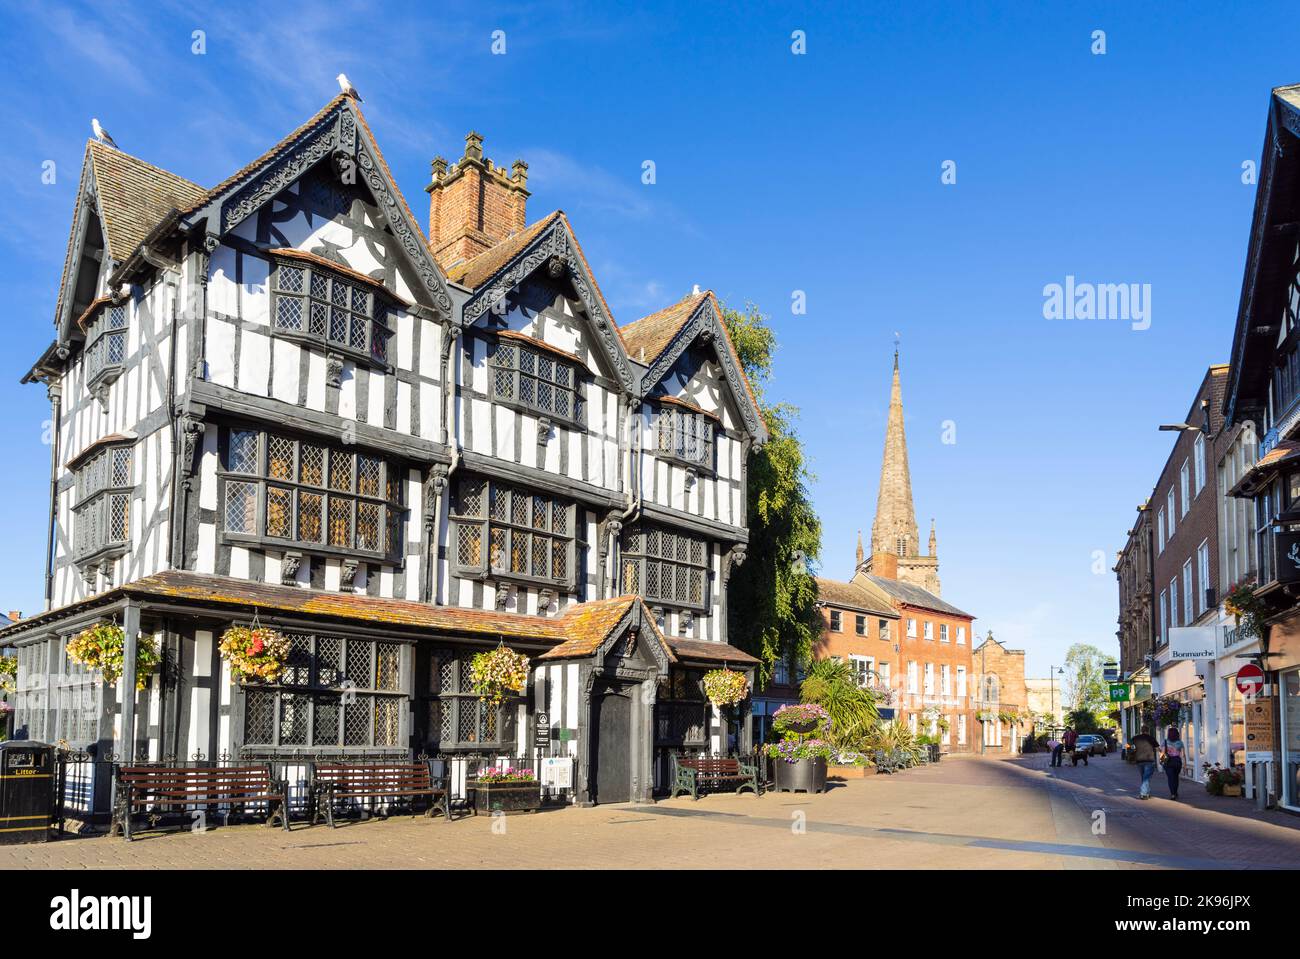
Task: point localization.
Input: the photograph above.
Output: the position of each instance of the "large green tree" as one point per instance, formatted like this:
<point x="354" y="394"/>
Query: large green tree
<point x="1085" y="684"/>
<point x="772" y="611"/>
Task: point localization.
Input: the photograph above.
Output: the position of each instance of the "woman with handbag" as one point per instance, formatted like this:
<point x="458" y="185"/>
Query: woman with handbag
<point x="1173" y="760"/>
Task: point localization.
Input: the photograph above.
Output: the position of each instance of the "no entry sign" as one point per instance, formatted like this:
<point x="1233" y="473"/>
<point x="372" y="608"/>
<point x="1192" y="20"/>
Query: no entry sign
<point x="1250" y="679"/>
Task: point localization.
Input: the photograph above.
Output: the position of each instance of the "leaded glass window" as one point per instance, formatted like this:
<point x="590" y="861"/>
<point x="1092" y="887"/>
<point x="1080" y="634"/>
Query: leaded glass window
<point x="311" y="494"/>
<point x="458" y="717"/>
<point x="106" y="344"/>
<point x="102" y="516"/>
<point x="681" y="713"/>
<point x="665" y="565"/>
<point x="536" y="379"/>
<point x="316" y="303"/>
<point x="335" y="693"/>
<point x="685" y="435"/>
<point x="512" y="532"/>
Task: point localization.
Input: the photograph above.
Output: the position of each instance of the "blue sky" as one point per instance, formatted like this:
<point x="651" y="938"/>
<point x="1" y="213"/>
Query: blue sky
<point x="775" y="173"/>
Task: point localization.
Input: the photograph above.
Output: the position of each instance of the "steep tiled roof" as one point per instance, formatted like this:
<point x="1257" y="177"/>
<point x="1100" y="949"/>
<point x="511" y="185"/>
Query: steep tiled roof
<point x="134" y="196"/>
<point x="477" y="270"/>
<point x="851" y="596"/>
<point x="649" y="336"/>
<point x="916" y="596"/>
<point x="1286" y="451"/>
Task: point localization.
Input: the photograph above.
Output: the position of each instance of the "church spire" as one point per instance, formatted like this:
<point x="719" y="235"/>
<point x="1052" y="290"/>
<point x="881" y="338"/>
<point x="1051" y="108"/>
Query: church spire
<point x="860" y="556"/>
<point x="894" y="530"/>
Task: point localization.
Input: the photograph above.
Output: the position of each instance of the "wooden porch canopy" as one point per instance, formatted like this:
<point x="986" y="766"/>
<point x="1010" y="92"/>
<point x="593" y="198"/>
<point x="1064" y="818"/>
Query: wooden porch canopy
<point x="581" y="626"/>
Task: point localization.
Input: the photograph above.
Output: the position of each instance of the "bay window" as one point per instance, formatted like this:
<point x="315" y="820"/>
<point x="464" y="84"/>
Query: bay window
<point x="315" y="303"/>
<point x="535" y="377"/>
<point x="513" y="533"/>
<point x="665" y="566"/>
<point x="685" y="434"/>
<point x="305" y="493"/>
<point x="106" y="345"/>
<point x="102" y="516"/>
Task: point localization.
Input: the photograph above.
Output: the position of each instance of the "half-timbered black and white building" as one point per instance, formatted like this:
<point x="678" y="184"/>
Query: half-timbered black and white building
<point x="278" y="400"/>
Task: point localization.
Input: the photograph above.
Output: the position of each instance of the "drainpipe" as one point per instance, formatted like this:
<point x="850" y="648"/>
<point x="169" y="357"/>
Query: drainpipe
<point x="55" y="393"/>
<point x="450" y="436"/>
<point x="635" y="489"/>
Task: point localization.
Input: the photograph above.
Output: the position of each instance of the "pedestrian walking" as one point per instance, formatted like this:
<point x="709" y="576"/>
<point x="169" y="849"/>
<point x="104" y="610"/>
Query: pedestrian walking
<point x="1145" y="752"/>
<point x="1173" y="759"/>
<point x="1057" y="747"/>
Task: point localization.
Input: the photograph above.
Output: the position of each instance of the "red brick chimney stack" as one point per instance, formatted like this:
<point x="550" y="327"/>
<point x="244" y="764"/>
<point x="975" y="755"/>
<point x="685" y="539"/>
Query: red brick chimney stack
<point x="474" y="204"/>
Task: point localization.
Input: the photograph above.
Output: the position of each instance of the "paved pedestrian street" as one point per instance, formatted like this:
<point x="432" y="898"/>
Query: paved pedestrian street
<point x="966" y="812"/>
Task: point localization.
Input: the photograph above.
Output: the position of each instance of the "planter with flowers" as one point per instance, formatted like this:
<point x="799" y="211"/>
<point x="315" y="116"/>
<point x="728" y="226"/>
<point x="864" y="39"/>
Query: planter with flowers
<point x="498" y="673"/>
<point x="799" y="762"/>
<point x="1223" y="780"/>
<point x="256" y="654"/>
<point x="506" y="790"/>
<point x="101" y="648"/>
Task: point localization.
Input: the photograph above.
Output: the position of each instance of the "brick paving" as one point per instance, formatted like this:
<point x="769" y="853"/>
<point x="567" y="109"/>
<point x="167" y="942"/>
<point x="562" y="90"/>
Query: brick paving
<point x="966" y="812"/>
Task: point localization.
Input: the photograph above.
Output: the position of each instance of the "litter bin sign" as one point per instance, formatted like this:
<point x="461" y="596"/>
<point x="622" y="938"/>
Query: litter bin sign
<point x="26" y="791"/>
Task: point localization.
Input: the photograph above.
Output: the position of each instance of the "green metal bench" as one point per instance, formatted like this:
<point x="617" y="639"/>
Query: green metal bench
<point x="691" y="773"/>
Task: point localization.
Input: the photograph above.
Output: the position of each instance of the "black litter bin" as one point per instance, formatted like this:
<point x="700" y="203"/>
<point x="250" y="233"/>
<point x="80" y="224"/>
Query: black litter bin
<point x="26" y="791"/>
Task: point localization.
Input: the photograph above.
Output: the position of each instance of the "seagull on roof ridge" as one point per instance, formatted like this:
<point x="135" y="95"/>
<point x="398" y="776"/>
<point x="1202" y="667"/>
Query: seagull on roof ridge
<point x="346" y="86"/>
<point x="101" y="134"/>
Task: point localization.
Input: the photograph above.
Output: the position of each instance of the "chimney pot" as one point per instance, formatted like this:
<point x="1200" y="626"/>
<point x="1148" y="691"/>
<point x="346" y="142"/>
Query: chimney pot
<point x="15" y="614"/>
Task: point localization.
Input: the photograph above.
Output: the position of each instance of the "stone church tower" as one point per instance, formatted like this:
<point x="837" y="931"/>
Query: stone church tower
<point x="895" y="542"/>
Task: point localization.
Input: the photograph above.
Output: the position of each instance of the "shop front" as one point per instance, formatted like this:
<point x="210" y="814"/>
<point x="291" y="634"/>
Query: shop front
<point x="1177" y="682"/>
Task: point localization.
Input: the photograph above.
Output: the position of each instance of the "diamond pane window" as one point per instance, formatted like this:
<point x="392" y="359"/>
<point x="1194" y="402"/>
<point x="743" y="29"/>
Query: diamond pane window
<point x="536" y="379"/>
<point x="242" y="456"/>
<point x="304" y="709"/>
<point x="315" y="302"/>
<point x="323" y="495"/>
<point x="457" y="717"/>
<point x="514" y="523"/>
<point x="101" y="517"/>
<point x="685" y="435"/>
<point x="665" y="566"/>
<point x="105" y="348"/>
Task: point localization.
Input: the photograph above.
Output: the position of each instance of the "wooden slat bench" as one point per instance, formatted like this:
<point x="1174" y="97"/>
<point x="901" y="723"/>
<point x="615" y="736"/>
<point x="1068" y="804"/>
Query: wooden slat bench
<point x="406" y="781"/>
<point x="178" y="788"/>
<point x="691" y="773"/>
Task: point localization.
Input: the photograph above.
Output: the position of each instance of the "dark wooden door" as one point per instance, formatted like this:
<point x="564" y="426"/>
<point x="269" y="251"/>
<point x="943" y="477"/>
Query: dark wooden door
<point x="613" y="754"/>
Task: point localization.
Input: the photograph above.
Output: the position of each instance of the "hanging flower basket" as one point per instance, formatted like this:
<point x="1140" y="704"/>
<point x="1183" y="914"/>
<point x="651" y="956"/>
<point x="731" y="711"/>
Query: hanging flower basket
<point x="255" y="653"/>
<point x="8" y="674"/>
<point x="725" y="687"/>
<point x="100" y="648"/>
<point x="1008" y="717"/>
<point x="1247" y="609"/>
<point x="985" y="717"/>
<point x="497" y="673"/>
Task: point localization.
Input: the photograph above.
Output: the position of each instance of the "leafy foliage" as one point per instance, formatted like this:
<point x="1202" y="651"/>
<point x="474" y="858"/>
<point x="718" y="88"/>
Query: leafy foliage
<point x="1085" y="685"/>
<point x="832" y="685"/>
<point x="772" y="597"/>
<point x="102" y="648"/>
<point x="895" y="737"/>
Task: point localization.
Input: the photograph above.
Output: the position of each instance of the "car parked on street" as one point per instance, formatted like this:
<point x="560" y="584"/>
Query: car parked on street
<point x="1093" y="745"/>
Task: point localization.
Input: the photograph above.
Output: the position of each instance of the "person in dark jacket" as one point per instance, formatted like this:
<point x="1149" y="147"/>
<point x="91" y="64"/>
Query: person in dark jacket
<point x="1145" y="751"/>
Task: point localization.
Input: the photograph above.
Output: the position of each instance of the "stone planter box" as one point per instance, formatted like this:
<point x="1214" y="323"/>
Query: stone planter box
<point x="802" y="775"/>
<point x="507" y="797"/>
